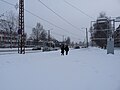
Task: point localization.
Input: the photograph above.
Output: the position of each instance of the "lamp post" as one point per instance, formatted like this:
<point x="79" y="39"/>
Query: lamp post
<point x="49" y="33"/>
<point x="86" y="37"/>
<point x="48" y="38"/>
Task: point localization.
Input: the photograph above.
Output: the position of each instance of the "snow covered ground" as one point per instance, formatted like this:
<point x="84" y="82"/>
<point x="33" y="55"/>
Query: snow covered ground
<point x="82" y="69"/>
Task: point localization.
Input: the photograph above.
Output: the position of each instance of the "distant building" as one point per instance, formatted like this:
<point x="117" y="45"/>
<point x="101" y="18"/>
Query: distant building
<point x="8" y="39"/>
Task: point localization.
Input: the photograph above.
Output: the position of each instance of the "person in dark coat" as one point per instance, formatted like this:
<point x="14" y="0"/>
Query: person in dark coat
<point x="66" y="49"/>
<point x="62" y="49"/>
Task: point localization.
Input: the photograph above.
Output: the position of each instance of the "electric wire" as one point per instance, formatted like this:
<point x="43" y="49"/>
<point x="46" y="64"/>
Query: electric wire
<point x="65" y="35"/>
<point x="55" y="33"/>
<point x="78" y="9"/>
<point x="59" y="15"/>
<point x="41" y="18"/>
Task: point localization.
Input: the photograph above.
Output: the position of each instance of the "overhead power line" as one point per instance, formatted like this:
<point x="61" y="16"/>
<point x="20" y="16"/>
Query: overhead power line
<point x="41" y="18"/>
<point x="58" y="34"/>
<point x="65" y="35"/>
<point x="78" y="9"/>
<point x="45" y="21"/>
<point x="7" y="2"/>
<point x="59" y="15"/>
<point x="50" y="22"/>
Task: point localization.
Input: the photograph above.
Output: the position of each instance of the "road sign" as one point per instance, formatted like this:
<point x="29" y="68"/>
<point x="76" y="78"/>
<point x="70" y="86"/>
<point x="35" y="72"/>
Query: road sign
<point x="19" y="31"/>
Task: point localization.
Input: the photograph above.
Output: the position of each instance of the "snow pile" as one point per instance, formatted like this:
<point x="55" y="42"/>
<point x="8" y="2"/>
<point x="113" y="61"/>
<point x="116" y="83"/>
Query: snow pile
<point x="82" y="69"/>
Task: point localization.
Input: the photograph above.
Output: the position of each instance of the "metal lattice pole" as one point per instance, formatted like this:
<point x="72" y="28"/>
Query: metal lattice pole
<point x="21" y="44"/>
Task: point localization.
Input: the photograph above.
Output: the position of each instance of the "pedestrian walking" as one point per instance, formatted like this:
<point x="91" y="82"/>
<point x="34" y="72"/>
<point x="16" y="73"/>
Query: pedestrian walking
<point x="62" y="49"/>
<point x="66" y="49"/>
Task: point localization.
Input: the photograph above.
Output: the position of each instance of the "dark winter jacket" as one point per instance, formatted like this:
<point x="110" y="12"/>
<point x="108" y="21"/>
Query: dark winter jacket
<point x="66" y="48"/>
<point x="62" y="49"/>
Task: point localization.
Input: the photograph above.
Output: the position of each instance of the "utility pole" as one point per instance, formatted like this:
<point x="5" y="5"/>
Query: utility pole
<point x="63" y="38"/>
<point x="21" y="41"/>
<point x="49" y="38"/>
<point x="86" y="38"/>
<point x="10" y="37"/>
<point x="48" y="35"/>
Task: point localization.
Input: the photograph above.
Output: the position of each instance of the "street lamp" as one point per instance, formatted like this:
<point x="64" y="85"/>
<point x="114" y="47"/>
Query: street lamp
<point x="86" y="36"/>
<point x="49" y="33"/>
<point x="48" y="39"/>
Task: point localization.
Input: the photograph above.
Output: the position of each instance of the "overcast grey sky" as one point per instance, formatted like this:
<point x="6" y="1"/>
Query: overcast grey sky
<point x="78" y="19"/>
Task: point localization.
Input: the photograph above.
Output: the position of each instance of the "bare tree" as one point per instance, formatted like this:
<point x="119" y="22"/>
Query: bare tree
<point x="38" y="33"/>
<point x="9" y="24"/>
<point x="68" y="41"/>
<point x="102" y="15"/>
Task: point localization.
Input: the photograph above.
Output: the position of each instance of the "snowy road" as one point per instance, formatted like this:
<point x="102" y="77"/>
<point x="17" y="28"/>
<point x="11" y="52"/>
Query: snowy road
<point x="83" y="69"/>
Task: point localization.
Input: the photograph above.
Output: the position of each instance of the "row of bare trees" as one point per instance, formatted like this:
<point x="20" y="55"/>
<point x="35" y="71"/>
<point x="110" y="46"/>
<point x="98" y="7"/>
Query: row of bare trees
<point x="40" y="34"/>
<point x="9" y="24"/>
